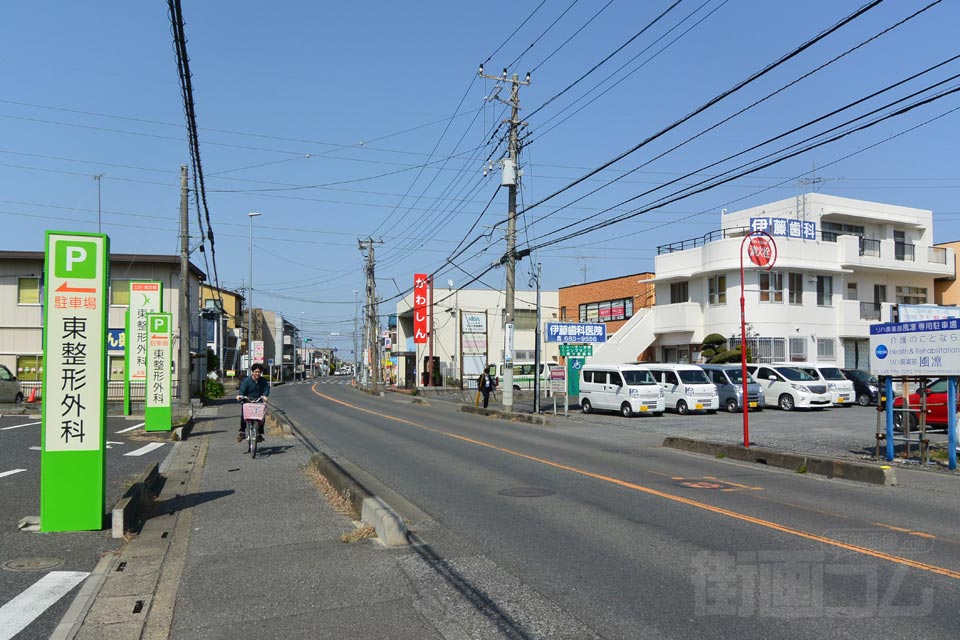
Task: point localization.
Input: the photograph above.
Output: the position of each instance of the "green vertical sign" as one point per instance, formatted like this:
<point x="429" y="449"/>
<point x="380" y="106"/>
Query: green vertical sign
<point x="146" y="296"/>
<point x="573" y="375"/>
<point x="158" y="413"/>
<point x="72" y="472"/>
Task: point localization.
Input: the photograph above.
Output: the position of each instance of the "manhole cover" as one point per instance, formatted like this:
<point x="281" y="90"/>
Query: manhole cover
<point x="32" y="564"/>
<point x="698" y="484"/>
<point x="527" y="492"/>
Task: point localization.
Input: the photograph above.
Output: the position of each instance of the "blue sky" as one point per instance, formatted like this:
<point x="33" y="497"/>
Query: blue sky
<point x="345" y="120"/>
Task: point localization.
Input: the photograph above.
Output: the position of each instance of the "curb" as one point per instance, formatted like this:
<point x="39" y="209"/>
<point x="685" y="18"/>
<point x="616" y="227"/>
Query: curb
<point x="829" y="467"/>
<point x="277" y="419"/>
<point x="389" y="525"/>
<point x="131" y="506"/>
<point x="183" y="431"/>
<point x="506" y="415"/>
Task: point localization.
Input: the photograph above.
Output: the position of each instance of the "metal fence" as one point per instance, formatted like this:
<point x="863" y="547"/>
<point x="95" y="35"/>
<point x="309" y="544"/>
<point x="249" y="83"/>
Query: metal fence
<point x="114" y="390"/>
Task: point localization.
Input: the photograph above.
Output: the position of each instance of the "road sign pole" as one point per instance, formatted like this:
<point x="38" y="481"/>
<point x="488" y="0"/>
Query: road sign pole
<point x="72" y="458"/>
<point x="763" y="253"/>
<point x="158" y="412"/>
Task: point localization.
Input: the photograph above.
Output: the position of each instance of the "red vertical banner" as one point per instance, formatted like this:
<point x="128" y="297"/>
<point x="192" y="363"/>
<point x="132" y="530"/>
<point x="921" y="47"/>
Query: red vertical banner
<point x="420" y="308"/>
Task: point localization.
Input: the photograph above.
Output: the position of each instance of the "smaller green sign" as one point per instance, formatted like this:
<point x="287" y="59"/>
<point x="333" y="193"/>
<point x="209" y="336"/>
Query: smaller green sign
<point x="576" y="350"/>
<point x="159" y="356"/>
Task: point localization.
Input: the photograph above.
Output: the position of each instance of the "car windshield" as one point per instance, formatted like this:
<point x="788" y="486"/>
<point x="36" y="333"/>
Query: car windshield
<point x="938" y="386"/>
<point x="832" y="373"/>
<point x="693" y="376"/>
<point x="795" y="374"/>
<point x="638" y="377"/>
<point x="862" y="376"/>
<point x="736" y="376"/>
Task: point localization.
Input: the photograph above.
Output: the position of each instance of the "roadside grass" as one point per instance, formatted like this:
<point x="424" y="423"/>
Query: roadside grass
<point x="341" y="505"/>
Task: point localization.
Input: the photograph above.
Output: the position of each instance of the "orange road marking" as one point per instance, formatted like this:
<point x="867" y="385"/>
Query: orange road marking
<point x="673" y="498"/>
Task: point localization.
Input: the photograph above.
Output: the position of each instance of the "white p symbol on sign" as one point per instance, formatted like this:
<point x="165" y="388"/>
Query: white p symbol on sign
<point x="75" y="254"/>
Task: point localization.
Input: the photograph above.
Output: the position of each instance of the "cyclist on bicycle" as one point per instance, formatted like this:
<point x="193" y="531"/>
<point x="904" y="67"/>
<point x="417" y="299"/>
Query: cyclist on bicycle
<point x="254" y="388"/>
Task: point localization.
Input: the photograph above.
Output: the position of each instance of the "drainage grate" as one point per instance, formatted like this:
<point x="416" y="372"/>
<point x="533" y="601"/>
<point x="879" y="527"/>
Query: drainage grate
<point x="527" y="492"/>
<point x="32" y="564"/>
<point x="121" y="566"/>
<point x="138" y="606"/>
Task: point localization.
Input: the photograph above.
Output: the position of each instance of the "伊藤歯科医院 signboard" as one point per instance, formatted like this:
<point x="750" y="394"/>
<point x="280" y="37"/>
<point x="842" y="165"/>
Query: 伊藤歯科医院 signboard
<point x="576" y="332"/>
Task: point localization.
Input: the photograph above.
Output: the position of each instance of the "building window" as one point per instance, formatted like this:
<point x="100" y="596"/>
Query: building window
<point x="679" y="292"/>
<point x="523" y="320"/>
<point x="825" y="349"/>
<point x="28" y="291"/>
<point x="830" y="230"/>
<point x="116" y="367"/>
<point x="606" y="311"/>
<point x="120" y="293"/>
<point x="718" y="290"/>
<point x="824" y="291"/>
<point x="798" y="349"/>
<point x="29" y="368"/>
<point x="851" y="292"/>
<point x="563" y="313"/>
<point x="796" y="288"/>
<point x="771" y="287"/>
<point x="912" y="295"/>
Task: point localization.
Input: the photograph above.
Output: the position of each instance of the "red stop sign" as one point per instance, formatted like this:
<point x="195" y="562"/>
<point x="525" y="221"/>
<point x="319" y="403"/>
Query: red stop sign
<point x="761" y="251"/>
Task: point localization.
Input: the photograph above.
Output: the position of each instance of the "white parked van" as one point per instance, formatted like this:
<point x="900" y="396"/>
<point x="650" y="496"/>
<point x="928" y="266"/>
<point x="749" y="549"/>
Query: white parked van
<point x="627" y="388"/>
<point x="686" y="387"/>
<point x="840" y="388"/>
<point x="789" y="387"/>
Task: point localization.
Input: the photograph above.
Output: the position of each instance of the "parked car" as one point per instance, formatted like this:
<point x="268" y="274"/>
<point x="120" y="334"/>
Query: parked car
<point x="841" y="389"/>
<point x="10" y="390"/>
<point x="937" y="415"/>
<point x="627" y="388"/>
<point x="685" y="387"/>
<point x="790" y="388"/>
<point x="523" y="373"/>
<point x="728" y="379"/>
<point x="865" y="385"/>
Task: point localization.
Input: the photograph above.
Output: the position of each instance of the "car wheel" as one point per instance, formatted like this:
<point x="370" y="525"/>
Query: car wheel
<point x="516" y="387"/>
<point x="732" y="405"/>
<point x="863" y="400"/>
<point x="912" y="421"/>
<point x="625" y="410"/>
<point x="786" y="402"/>
<point x="585" y="406"/>
<point x="682" y="408"/>
<point x="19" y="398"/>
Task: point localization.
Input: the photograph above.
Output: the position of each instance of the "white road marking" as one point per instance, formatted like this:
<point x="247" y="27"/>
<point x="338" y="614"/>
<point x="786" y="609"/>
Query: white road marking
<point x="136" y="426"/>
<point x="25" y="607"/>
<point x="10" y="473"/>
<point x="17" y="426"/>
<point x="35" y="449"/>
<point x="145" y="449"/>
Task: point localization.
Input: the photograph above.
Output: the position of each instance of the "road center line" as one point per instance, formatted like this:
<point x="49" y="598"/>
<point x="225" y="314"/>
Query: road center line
<point x="4" y="474"/>
<point x="674" y="498"/>
<point x="17" y="426"/>
<point x="136" y="426"/>
<point x="145" y="449"/>
<point x="26" y="606"/>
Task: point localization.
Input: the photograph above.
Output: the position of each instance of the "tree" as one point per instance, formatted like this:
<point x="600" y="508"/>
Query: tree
<point x="713" y="345"/>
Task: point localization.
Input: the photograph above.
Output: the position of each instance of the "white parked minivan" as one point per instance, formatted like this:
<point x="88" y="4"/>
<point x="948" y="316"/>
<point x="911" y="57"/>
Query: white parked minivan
<point x="627" y="388"/>
<point x="840" y="388"/>
<point x="789" y="387"/>
<point x="686" y="387"/>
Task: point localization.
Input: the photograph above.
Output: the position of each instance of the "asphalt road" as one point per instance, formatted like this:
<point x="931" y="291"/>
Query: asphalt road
<point x="66" y="552"/>
<point x="620" y="538"/>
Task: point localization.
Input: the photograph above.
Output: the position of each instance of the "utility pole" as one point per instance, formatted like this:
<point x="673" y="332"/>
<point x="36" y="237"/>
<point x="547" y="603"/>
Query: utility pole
<point x="183" y="368"/>
<point x="536" y="350"/>
<point x="372" y="336"/>
<point x="430" y="339"/>
<point x="509" y="180"/>
<point x="356" y="352"/>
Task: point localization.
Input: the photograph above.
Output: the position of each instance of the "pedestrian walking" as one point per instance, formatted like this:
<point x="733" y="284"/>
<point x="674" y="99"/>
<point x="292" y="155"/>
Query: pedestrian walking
<point x="486" y="384"/>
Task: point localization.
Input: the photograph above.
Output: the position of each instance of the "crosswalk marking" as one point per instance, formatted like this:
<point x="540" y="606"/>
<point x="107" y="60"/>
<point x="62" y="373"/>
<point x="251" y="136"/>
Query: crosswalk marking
<point x="136" y="426"/>
<point x="17" y="426"/>
<point x="145" y="449"/>
<point x="25" y="607"/>
<point x="10" y="473"/>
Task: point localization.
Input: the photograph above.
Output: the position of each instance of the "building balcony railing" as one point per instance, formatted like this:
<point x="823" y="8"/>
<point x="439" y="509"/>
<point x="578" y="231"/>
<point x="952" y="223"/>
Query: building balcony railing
<point x="937" y="254"/>
<point x="718" y="234"/>
<point x="870" y="311"/>
<point x="903" y="251"/>
<point x="869" y="247"/>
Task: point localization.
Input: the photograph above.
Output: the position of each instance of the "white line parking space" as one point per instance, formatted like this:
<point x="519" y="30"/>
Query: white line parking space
<point x="24" y="608"/>
<point x="4" y="474"/>
<point x="17" y="426"/>
<point x="145" y="449"/>
<point x="136" y="426"/>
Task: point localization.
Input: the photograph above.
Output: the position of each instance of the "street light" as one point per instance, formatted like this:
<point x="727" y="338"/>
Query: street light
<point x="251" y="215"/>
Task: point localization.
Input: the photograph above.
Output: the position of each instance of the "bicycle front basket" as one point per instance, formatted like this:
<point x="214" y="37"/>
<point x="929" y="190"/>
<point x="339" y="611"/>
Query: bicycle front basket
<point x="254" y="410"/>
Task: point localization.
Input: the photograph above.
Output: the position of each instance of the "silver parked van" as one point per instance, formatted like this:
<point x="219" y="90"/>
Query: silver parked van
<point x="685" y="387"/>
<point x="729" y="381"/>
<point x="627" y="388"/>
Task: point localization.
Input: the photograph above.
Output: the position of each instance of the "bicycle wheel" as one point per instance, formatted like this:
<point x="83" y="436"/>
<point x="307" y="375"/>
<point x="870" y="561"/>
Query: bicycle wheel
<point x="252" y="438"/>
